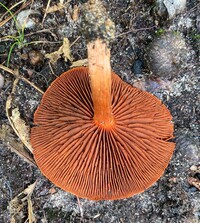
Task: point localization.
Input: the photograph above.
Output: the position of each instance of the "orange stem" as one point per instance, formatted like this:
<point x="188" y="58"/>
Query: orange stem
<point x="100" y="81"/>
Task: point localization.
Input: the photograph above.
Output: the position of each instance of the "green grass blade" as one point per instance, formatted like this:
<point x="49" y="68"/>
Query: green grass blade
<point x="10" y="51"/>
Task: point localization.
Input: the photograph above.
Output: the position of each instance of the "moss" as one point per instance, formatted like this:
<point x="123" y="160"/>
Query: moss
<point x="160" y="31"/>
<point x="195" y="36"/>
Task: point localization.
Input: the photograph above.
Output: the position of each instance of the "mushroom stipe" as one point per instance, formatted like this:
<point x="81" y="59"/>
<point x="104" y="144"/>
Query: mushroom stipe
<point x="94" y="161"/>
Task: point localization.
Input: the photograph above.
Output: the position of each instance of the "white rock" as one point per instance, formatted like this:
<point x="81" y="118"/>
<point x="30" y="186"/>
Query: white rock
<point x="193" y="168"/>
<point x="174" y="7"/>
<point x="23" y="20"/>
<point x="1" y="81"/>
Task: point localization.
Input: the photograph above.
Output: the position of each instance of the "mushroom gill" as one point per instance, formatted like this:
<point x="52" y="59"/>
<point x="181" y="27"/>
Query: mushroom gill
<point x="94" y="161"/>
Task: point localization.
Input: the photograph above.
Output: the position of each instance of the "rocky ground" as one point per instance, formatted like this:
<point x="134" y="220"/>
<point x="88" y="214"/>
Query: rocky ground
<point x="156" y="49"/>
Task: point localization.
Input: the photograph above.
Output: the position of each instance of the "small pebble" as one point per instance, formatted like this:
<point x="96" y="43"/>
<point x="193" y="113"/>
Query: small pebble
<point x="193" y="168"/>
<point x="140" y="84"/>
<point x="173" y="180"/>
<point x="52" y="190"/>
<point x="23" y="20"/>
<point x="174" y="7"/>
<point x="164" y="9"/>
<point x="1" y="81"/>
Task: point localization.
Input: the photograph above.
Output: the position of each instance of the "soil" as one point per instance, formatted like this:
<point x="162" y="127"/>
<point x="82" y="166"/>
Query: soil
<point x="139" y="28"/>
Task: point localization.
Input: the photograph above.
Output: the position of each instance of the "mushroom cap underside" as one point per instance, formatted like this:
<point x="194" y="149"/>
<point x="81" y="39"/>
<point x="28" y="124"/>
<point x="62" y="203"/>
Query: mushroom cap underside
<point x="94" y="162"/>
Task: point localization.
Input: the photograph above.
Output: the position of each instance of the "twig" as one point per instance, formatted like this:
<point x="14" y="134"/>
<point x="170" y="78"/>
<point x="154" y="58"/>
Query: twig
<point x="8" y="38"/>
<point x="194" y="8"/>
<point x="45" y="14"/>
<point x="16" y="75"/>
<point x="52" y="69"/>
<point x="7" y="183"/>
<point x="44" y="42"/>
<point x="48" y="9"/>
<point x="75" y="41"/>
<point x="41" y="31"/>
<point x="134" y="30"/>
<point x="80" y="207"/>
<point x="33" y="85"/>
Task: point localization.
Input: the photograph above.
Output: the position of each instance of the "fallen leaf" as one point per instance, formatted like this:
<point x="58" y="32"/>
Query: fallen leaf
<point x="16" y="146"/>
<point x="75" y="14"/>
<point x="19" y="126"/>
<point x="55" y="8"/>
<point x="31" y="216"/>
<point x="17" y="205"/>
<point x="63" y="50"/>
<point x="66" y="50"/>
<point x="53" y="57"/>
<point x="79" y="63"/>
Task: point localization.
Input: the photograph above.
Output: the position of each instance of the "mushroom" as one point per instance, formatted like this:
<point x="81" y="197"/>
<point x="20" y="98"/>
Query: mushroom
<point x="98" y="137"/>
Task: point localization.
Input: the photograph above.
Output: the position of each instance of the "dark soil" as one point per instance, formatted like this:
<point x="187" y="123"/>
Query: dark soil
<point x="171" y="199"/>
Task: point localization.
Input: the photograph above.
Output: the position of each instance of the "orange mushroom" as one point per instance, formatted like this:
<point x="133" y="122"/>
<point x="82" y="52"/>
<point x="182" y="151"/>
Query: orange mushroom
<point x="98" y="137"/>
<point x="97" y="161"/>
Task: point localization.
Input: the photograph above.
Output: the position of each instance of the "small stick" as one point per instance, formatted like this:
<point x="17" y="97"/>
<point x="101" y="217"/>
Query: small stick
<point x="16" y="75"/>
<point x="80" y="206"/>
<point x="45" y="14"/>
<point x="52" y="69"/>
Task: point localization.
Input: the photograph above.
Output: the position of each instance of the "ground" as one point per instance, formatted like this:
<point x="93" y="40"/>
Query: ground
<point x="142" y="29"/>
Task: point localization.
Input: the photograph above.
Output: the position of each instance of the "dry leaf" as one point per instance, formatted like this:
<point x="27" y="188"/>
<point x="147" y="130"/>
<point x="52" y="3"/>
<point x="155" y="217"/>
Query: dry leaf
<point x="31" y="216"/>
<point x="66" y="50"/>
<point x="76" y="12"/>
<point x="79" y="63"/>
<point x="53" y="57"/>
<point x="19" y="126"/>
<point x="9" y="139"/>
<point x="55" y="8"/>
<point x="18" y="204"/>
<point x="63" y="50"/>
